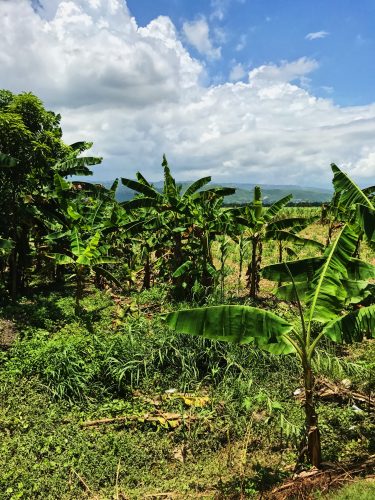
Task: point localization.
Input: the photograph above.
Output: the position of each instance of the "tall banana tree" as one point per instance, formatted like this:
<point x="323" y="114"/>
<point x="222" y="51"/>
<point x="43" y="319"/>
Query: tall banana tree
<point x="336" y="281"/>
<point x="253" y="221"/>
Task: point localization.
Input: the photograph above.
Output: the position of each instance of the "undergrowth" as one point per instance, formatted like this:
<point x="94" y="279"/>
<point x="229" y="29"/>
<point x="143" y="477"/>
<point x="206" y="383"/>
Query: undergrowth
<point x="236" y="437"/>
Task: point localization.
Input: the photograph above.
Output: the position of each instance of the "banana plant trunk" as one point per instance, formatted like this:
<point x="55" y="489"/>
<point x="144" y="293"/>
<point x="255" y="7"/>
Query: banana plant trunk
<point x="314" y="453"/>
<point x="253" y="270"/>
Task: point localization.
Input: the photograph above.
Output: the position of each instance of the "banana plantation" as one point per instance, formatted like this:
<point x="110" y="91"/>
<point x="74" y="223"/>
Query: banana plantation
<point x="173" y="345"/>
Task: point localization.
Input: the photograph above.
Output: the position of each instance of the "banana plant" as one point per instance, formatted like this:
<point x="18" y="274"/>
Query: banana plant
<point x="77" y="225"/>
<point x="182" y="226"/>
<point x="253" y="220"/>
<point x="285" y="232"/>
<point x="84" y="255"/>
<point x="322" y="287"/>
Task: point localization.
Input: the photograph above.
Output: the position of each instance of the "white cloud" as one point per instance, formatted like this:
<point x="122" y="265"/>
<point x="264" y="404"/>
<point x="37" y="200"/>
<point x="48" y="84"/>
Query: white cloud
<point x="137" y="93"/>
<point x="285" y="72"/>
<point x="197" y="34"/>
<point x="316" y="35"/>
<point x="237" y="72"/>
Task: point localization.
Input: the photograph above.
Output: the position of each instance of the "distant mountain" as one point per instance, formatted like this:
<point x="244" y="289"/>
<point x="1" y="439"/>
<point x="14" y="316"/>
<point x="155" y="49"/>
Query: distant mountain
<point x="244" y="192"/>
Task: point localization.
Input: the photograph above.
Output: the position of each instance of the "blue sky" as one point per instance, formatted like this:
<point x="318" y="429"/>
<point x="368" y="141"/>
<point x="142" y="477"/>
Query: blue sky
<point x="248" y="91"/>
<point x="275" y="30"/>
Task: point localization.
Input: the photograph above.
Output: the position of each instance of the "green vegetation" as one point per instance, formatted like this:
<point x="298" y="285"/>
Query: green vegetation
<point x="100" y="399"/>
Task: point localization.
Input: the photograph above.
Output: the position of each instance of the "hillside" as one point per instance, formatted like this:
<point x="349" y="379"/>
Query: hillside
<point x="244" y="192"/>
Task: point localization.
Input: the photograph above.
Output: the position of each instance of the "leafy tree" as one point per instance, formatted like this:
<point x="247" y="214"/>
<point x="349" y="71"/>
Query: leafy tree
<point x="32" y="151"/>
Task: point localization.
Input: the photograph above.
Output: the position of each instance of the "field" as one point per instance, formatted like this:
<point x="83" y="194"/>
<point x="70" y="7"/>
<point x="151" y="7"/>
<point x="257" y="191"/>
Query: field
<point x="111" y="403"/>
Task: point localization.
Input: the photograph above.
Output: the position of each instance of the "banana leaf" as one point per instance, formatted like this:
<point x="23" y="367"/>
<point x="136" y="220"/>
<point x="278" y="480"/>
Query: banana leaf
<point x="301" y="270"/>
<point x="352" y="327"/>
<point x="235" y="324"/>
<point x="328" y="294"/>
<point x="350" y="193"/>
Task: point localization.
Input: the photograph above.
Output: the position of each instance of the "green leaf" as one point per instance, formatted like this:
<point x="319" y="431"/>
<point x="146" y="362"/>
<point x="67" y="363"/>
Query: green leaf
<point x="350" y="193"/>
<point x="62" y="259"/>
<point x="366" y="219"/>
<point x="301" y="270"/>
<point x="360" y="270"/>
<point x="353" y="326"/>
<point x="297" y="240"/>
<point x="144" y="189"/>
<point x="276" y="207"/>
<point x="195" y="186"/>
<point x="141" y="202"/>
<point x="236" y="324"/>
<point x="288" y="292"/>
<point x="182" y="269"/>
<point x="76" y="166"/>
<point x="328" y="296"/>
<point x="90" y="252"/>
<point x="61" y="184"/>
<point x="296" y="224"/>
<point x="356" y="290"/>
<point x="76" y="242"/>
<point x="72" y="213"/>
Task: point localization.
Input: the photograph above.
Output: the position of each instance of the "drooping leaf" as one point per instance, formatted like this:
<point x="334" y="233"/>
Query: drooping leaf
<point x="293" y="238"/>
<point x="147" y="190"/>
<point x="366" y="219"/>
<point x="356" y="290"/>
<point x="294" y="224"/>
<point x="301" y="270"/>
<point x="214" y="193"/>
<point x="360" y="270"/>
<point x="236" y="324"/>
<point x="108" y="276"/>
<point x="62" y="259"/>
<point x="76" y="166"/>
<point x="352" y="327"/>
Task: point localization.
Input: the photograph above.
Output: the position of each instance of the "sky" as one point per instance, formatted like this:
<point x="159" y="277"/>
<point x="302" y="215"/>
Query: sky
<point x="243" y="90"/>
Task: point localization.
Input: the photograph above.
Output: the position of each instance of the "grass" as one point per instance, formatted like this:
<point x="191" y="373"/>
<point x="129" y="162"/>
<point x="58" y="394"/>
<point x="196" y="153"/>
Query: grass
<point x="359" y="490"/>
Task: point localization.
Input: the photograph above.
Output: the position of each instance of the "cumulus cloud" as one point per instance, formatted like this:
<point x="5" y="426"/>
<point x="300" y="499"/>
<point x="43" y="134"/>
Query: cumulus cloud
<point x="137" y="93"/>
<point x="197" y="34"/>
<point x="316" y="35"/>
